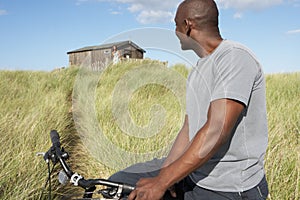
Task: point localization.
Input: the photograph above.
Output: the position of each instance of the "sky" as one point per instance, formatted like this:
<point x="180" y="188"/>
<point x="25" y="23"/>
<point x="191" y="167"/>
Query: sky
<point x="37" y="34"/>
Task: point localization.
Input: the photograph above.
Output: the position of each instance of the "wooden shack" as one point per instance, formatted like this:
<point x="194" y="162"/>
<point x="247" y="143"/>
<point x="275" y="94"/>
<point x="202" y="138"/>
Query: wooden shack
<point x="98" y="57"/>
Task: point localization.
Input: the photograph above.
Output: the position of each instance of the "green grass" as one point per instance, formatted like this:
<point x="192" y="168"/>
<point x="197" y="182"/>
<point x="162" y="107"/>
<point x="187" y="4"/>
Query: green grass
<point x="33" y="103"/>
<point x="283" y="155"/>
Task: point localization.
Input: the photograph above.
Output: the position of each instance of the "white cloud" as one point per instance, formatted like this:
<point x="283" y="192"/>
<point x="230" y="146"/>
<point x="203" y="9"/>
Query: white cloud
<point x="242" y="5"/>
<point x="245" y="5"/>
<point x="158" y="11"/>
<point x="147" y="11"/>
<point x="295" y="3"/>
<point x="135" y="8"/>
<point x="238" y="15"/>
<point x="79" y="2"/>
<point x="115" y="13"/>
<point x="152" y="11"/>
<point x="3" y="12"/>
<point x="297" y="31"/>
<point x="151" y="16"/>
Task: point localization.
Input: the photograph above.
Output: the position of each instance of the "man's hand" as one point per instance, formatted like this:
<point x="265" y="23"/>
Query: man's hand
<point x="222" y="117"/>
<point x="148" y="189"/>
<point x="172" y="191"/>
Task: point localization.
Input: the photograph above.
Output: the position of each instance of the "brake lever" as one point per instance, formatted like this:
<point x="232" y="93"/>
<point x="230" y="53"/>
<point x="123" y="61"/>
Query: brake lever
<point x="40" y="154"/>
<point x="44" y="156"/>
<point x="109" y="193"/>
<point x="114" y="193"/>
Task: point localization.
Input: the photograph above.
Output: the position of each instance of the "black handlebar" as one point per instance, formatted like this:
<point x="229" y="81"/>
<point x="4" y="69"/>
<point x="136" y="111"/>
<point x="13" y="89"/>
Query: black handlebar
<point x="57" y="154"/>
<point x="55" y="140"/>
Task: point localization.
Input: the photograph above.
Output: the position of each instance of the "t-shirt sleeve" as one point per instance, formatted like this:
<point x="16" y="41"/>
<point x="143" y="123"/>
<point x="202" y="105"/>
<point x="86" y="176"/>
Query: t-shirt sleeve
<point x="235" y="75"/>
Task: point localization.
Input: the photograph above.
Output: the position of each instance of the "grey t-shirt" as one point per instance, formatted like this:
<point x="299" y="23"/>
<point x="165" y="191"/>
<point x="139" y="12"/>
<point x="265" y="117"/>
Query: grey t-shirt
<point x="232" y="72"/>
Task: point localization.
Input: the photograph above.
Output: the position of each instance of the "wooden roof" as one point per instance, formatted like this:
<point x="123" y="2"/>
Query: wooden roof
<point x="119" y="45"/>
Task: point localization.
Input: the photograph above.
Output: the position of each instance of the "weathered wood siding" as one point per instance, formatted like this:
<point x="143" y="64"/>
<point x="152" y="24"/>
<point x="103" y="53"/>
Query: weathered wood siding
<point x="101" y="58"/>
<point x="98" y="59"/>
<point x="79" y="57"/>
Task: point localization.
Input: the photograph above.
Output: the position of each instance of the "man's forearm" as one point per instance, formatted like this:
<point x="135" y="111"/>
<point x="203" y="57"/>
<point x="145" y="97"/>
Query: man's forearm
<point x="221" y="119"/>
<point x="189" y="161"/>
<point x="180" y="145"/>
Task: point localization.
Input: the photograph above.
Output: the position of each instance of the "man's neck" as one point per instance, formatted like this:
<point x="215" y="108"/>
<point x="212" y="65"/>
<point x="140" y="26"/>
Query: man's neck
<point x="206" y="43"/>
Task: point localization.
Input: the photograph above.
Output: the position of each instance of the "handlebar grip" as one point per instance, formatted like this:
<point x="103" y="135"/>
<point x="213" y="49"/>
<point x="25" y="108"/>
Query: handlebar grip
<point x="56" y="143"/>
<point x="55" y="139"/>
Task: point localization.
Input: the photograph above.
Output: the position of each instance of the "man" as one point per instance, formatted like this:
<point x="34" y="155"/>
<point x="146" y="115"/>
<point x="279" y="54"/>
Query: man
<point x="219" y="152"/>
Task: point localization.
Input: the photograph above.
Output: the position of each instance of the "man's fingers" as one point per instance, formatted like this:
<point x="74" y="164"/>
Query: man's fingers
<point x="135" y="195"/>
<point x="141" y="182"/>
<point x="172" y="191"/>
<point x="132" y="195"/>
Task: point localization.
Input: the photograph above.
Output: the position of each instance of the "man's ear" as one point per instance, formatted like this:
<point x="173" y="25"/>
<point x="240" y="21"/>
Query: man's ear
<point x="188" y="24"/>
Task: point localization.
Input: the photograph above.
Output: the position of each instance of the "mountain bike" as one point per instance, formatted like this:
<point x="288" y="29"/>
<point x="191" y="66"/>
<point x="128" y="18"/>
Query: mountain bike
<point x="57" y="154"/>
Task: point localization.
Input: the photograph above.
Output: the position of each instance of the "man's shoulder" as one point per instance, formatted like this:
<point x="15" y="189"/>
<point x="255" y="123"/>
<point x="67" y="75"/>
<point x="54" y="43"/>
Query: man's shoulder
<point x="230" y="45"/>
<point x="232" y="48"/>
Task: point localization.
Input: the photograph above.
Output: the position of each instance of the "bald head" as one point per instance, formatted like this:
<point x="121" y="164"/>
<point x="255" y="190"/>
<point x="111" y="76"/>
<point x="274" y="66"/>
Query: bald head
<point x="203" y="13"/>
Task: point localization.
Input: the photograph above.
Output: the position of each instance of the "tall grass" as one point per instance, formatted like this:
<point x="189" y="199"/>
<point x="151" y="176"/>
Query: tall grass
<point x="283" y="155"/>
<point x="33" y="103"/>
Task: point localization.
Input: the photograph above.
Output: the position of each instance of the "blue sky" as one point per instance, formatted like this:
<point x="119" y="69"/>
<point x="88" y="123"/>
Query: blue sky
<point x="36" y="34"/>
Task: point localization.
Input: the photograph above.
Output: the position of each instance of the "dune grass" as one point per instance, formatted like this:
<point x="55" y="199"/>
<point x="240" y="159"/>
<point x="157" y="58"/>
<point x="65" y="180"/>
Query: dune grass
<point x="283" y="155"/>
<point x="33" y="103"/>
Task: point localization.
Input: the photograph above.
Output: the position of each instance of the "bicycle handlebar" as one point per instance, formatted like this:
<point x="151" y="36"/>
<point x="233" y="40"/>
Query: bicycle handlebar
<point x="55" y="142"/>
<point x="57" y="154"/>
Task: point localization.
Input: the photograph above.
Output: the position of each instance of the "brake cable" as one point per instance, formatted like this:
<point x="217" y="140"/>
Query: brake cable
<point x="48" y="181"/>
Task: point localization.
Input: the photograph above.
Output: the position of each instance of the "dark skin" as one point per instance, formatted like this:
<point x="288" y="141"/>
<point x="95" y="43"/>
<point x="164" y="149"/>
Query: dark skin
<point x="186" y="156"/>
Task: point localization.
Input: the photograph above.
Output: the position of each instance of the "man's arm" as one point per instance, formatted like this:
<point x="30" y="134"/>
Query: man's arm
<point x="179" y="145"/>
<point x="221" y="119"/>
